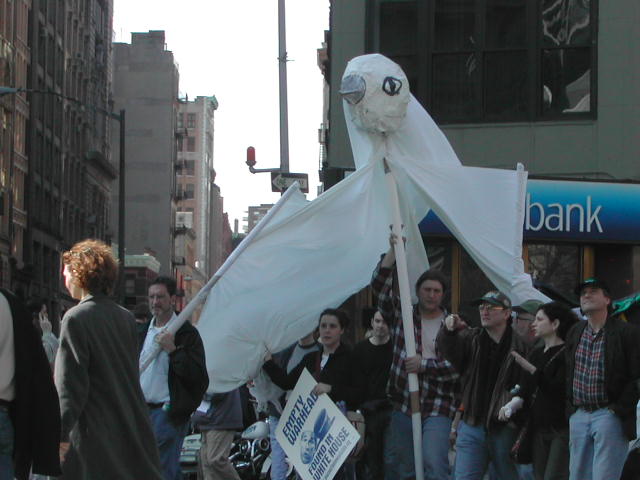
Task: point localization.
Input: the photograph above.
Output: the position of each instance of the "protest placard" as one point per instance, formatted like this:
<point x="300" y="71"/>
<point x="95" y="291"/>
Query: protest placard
<point x="314" y="433"/>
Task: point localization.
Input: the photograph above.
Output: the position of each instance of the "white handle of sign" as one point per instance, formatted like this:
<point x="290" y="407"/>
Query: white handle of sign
<point x="407" y="318"/>
<point x="174" y="325"/>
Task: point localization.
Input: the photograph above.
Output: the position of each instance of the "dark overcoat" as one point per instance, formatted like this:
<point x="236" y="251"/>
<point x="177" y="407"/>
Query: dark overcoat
<point x="35" y="413"/>
<point x="104" y="415"/>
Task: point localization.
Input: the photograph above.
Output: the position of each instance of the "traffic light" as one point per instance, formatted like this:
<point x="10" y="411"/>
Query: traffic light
<point x="251" y="157"/>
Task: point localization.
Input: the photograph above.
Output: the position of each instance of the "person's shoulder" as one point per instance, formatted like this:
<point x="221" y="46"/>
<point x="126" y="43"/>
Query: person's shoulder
<point x="311" y="357"/>
<point x="627" y="330"/>
<point x="76" y="312"/>
<point x="188" y="327"/>
<point x="576" y="329"/>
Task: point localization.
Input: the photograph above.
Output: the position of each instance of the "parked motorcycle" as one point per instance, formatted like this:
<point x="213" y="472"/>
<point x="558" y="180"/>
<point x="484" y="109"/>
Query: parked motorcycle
<point x="251" y="453"/>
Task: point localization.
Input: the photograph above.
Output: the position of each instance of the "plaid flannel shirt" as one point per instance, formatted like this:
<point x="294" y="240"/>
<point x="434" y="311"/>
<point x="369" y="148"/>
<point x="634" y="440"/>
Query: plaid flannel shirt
<point x="589" y="389"/>
<point x="439" y="382"/>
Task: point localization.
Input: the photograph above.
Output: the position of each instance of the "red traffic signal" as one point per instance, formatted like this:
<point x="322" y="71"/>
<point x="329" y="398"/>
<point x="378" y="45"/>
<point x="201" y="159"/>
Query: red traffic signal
<point x="251" y="156"/>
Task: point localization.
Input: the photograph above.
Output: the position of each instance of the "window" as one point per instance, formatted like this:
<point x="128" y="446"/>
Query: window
<point x="189" y="191"/>
<point x="614" y="263"/>
<point x="191" y="120"/>
<point x="180" y="118"/>
<point x="189" y="167"/>
<point x="492" y="60"/>
<point x="130" y="285"/>
<point x="557" y="266"/>
<point x="191" y="144"/>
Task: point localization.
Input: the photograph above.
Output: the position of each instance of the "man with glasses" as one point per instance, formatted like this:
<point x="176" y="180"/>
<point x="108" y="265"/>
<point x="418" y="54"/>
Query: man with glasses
<point x="485" y="354"/>
<point x="525" y="315"/>
<point x="603" y="367"/>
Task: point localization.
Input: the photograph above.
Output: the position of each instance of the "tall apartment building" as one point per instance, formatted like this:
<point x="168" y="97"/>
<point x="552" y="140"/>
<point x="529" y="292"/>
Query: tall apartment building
<point x="202" y="228"/>
<point x="145" y="84"/>
<point x="220" y="237"/>
<point x="14" y="114"/>
<point x="56" y="163"/>
<point x="196" y="173"/>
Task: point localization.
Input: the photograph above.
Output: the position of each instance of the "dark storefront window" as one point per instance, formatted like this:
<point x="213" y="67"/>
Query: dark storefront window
<point x="556" y="266"/>
<point x="614" y="263"/>
<point x="492" y="60"/>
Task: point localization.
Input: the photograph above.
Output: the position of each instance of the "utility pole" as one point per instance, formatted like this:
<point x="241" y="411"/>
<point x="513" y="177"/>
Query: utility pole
<point x="282" y="75"/>
<point x="281" y="178"/>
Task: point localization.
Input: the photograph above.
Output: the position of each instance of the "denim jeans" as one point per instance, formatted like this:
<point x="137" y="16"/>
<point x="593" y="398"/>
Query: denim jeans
<point x="435" y="447"/>
<point x="476" y="447"/>
<point x="597" y="445"/>
<point x="169" y="440"/>
<point x="279" y="465"/>
<point x="6" y="445"/>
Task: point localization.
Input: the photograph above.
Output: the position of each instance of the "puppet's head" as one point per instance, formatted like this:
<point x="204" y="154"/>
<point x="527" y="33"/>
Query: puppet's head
<point x="377" y="93"/>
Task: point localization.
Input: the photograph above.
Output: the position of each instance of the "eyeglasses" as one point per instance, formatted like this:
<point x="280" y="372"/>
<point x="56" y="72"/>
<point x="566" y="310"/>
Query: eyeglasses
<point x="489" y="307"/>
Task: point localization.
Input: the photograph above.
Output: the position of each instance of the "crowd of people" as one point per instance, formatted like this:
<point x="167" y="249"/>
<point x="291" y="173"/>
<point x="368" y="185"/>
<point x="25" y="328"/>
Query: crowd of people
<point x="533" y="391"/>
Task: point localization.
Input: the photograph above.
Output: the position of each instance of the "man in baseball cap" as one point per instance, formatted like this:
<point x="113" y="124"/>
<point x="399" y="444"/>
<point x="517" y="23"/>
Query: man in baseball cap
<point x="525" y="315"/>
<point x="593" y="283"/>
<point x="494" y="297"/>
<point x="485" y="353"/>
<point x="603" y="365"/>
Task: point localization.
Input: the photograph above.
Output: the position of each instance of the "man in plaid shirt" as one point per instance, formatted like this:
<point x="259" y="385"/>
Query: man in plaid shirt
<point x="439" y="382"/>
<point x="603" y="367"/>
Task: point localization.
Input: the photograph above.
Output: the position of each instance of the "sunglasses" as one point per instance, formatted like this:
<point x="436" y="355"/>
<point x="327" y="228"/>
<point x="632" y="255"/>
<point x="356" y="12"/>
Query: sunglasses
<point x="489" y="307"/>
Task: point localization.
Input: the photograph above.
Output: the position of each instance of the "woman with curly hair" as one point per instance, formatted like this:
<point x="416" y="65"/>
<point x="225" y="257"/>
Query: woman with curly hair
<point x="106" y="432"/>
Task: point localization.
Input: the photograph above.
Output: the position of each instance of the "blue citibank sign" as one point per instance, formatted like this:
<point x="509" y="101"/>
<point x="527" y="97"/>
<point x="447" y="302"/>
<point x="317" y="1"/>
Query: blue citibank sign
<point x="573" y="210"/>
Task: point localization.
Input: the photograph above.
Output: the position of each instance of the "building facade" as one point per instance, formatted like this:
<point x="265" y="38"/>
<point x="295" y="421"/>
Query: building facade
<point x="56" y="170"/>
<point x="14" y="115"/>
<point x="220" y="237"/>
<point x="552" y="85"/>
<point x="145" y="84"/>
<point x="255" y="214"/>
<point x="140" y="271"/>
<point x="196" y="174"/>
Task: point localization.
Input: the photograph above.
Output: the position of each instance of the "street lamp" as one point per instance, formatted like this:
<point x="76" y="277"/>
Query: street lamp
<point x="119" y="117"/>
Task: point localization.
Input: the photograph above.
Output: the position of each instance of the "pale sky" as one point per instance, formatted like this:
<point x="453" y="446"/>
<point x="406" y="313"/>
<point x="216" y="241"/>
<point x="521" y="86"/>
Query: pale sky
<point x="229" y="49"/>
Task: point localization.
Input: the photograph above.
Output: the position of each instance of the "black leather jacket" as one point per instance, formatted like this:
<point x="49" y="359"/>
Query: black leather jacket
<point x="188" y="379"/>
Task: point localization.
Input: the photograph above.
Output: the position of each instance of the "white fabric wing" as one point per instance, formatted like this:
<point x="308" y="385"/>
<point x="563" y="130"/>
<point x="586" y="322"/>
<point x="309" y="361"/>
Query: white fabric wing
<point x="300" y="264"/>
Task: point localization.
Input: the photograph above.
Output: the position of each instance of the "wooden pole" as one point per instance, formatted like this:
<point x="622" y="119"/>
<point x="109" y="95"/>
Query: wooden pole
<point x="407" y="319"/>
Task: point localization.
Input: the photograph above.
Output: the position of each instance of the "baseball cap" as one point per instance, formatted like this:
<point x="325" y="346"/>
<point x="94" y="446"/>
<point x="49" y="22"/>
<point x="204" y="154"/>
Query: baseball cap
<point x="529" y="306"/>
<point x="494" y="297"/>
<point x="595" y="283"/>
